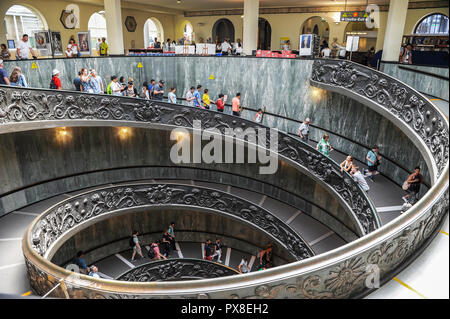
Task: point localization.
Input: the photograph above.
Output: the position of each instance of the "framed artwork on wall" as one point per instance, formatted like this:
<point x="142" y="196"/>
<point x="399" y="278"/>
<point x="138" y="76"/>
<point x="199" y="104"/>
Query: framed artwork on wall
<point x="42" y="42"/>
<point x="11" y="44"/>
<point x="84" y="42"/>
<point x="56" y="43"/>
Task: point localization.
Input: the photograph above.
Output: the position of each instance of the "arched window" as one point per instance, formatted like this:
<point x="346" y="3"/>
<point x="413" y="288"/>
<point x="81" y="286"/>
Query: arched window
<point x="153" y="29"/>
<point x="21" y="20"/>
<point x="316" y="25"/>
<point x="97" y="27"/>
<point x="433" y="24"/>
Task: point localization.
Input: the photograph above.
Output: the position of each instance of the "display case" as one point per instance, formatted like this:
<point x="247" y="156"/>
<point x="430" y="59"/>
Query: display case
<point x="427" y="42"/>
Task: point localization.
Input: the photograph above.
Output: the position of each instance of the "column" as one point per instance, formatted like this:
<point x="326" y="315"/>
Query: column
<point x="113" y="16"/>
<point x="394" y="29"/>
<point x="250" y="36"/>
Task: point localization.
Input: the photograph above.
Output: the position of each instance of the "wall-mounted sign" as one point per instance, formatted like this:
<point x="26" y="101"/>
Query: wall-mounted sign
<point x="354" y="16"/>
<point x="68" y="19"/>
<point x="130" y="23"/>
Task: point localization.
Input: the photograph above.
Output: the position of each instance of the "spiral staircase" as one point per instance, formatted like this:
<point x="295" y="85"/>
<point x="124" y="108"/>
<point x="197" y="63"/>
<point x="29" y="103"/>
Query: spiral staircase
<point x="318" y="234"/>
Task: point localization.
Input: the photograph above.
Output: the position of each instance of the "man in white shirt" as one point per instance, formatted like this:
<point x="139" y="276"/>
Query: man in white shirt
<point x="239" y="49"/>
<point x="243" y="266"/>
<point x="23" y="48"/>
<point x="226" y="47"/>
<point x="342" y="51"/>
<point x="97" y="45"/>
<point x="116" y="87"/>
<point x="303" y="130"/>
<point x="359" y="178"/>
<point x="326" y="52"/>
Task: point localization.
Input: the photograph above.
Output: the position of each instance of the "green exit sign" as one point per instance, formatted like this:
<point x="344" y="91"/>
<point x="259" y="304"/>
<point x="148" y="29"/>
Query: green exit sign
<point x="354" y="16"/>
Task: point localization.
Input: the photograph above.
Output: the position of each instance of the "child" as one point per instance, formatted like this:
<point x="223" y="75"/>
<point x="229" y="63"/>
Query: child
<point x="172" y="98"/>
<point x="258" y="116"/>
<point x="206" y="100"/>
<point x="220" y="103"/>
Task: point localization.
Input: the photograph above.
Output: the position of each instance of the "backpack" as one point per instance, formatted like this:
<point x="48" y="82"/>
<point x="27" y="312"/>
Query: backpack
<point x="53" y="85"/>
<point x="108" y="89"/>
<point x="151" y="252"/>
<point x="377" y="162"/>
<point x="131" y="241"/>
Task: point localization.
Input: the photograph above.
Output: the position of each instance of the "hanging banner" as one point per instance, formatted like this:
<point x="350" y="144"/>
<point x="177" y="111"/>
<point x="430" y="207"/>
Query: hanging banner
<point x="354" y="16"/>
<point x="305" y="45"/>
<point x="352" y="44"/>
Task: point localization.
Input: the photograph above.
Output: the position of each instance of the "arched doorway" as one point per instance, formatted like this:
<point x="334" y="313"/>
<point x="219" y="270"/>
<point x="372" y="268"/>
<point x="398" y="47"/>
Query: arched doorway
<point x="223" y="29"/>
<point x="264" y="34"/>
<point x="367" y="37"/>
<point x="20" y="20"/>
<point x="97" y="27"/>
<point x="153" y="29"/>
<point x="316" y="29"/>
<point x="317" y="25"/>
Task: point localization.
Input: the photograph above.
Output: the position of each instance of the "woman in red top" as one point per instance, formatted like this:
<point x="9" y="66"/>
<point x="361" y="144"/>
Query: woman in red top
<point x="220" y="103"/>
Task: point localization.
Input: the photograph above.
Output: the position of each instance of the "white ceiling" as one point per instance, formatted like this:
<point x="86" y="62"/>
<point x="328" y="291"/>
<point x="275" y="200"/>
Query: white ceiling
<point x="199" y="5"/>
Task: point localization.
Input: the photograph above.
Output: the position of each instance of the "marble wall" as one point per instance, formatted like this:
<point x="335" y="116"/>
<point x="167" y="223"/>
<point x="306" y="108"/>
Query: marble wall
<point x="191" y="226"/>
<point x="34" y="165"/>
<point x="423" y="83"/>
<point x="280" y="85"/>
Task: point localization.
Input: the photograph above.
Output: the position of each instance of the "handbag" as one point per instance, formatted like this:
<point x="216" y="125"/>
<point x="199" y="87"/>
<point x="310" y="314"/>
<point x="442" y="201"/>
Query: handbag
<point x="406" y="185"/>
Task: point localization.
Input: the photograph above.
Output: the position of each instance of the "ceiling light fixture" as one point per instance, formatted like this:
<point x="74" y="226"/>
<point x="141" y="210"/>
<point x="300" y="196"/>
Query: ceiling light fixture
<point x="178" y="1"/>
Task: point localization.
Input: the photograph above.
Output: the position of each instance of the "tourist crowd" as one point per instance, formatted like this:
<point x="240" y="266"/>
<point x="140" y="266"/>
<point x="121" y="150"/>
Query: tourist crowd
<point x="91" y="82"/>
<point x="162" y="248"/>
<point x="373" y="161"/>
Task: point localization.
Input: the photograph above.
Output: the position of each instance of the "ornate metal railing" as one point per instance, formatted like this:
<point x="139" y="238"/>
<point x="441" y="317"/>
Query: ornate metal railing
<point x="64" y="218"/>
<point x="414" y="113"/>
<point x="177" y="269"/>
<point x="342" y="273"/>
<point x="25" y="109"/>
